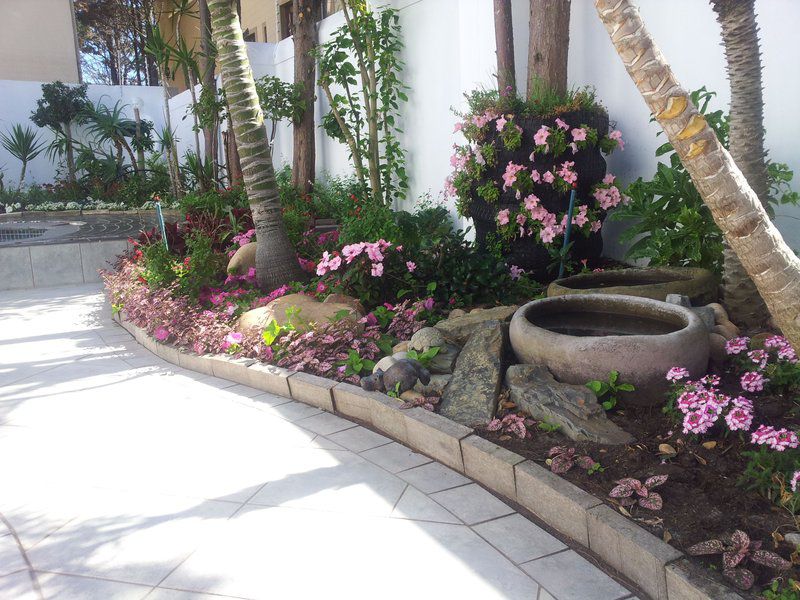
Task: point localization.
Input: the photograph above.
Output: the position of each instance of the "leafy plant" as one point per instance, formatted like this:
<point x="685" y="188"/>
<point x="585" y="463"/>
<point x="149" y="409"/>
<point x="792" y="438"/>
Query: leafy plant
<point x="512" y="424"/>
<point x="561" y="459"/>
<point x="629" y="491"/>
<point x="24" y="144"/>
<point x="547" y="426"/>
<point x="280" y="101"/>
<point x="355" y="364"/>
<point x="608" y="392"/>
<point x="425" y="357"/>
<point x="782" y="590"/>
<point x="768" y="473"/>
<point x="736" y="551"/>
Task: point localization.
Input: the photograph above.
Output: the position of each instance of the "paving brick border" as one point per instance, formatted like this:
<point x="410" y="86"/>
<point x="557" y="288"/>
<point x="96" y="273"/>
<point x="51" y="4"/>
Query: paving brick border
<point x="656" y="567"/>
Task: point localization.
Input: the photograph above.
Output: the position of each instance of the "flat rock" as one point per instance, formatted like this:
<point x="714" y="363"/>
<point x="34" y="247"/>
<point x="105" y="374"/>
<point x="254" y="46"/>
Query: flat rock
<point x="471" y="396"/>
<point x="574" y="407"/>
<point x="243" y="259"/>
<point x="309" y="313"/>
<point x="444" y="362"/>
<point x="435" y="387"/>
<point x="458" y="329"/>
<point x="425" y="339"/>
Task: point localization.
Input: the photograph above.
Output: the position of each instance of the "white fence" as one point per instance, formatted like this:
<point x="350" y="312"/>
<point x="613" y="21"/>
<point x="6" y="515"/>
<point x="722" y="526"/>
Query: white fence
<point x="449" y="49"/>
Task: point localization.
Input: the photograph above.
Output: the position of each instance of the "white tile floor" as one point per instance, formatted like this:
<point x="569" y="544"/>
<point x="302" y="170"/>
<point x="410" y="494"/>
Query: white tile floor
<point x="132" y="478"/>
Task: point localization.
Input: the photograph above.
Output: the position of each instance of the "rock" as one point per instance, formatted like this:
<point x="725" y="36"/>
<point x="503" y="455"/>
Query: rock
<point x="471" y="396"/>
<point x="574" y="407"/>
<point x="353" y="303"/>
<point x="794" y="539"/>
<point x="435" y="387"/>
<point x="678" y="299"/>
<point x="412" y="396"/>
<point x="456" y="312"/>
<point x="716" y="348"/>
<point x="310" y="312"/>
<point x="243" y="259"/>
<point x="384" y="363"/>
<point x="401" y="347"/>
<point x="445" y="359"/>
<point x="425" y="339"/>
<point x="400" y="355"/>
<point x="726" y="330"/>
<point x="403" y="375"/>
<point x="720" y="314"/>
<point x="373" y="383"/>
<point x="459" y="329"/>
<point x="706" y="313"/>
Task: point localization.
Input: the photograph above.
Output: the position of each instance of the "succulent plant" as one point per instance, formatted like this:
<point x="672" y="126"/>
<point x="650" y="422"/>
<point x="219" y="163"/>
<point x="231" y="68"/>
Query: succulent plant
<point x="631" y="491"/>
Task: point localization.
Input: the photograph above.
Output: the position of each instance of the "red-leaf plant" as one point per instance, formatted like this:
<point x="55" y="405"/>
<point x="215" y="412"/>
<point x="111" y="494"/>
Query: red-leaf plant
<point x="735" y="551"/>
<point x="631" y="491"/>
<point x="562" y="459"/>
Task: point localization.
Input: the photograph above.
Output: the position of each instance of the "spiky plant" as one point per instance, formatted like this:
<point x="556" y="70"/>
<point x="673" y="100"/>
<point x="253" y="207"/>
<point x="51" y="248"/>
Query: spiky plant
<point x="22" y="143"/>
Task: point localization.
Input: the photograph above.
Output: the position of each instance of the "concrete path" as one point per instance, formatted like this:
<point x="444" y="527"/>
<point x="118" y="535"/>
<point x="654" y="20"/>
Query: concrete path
<point x="124" y="477"/>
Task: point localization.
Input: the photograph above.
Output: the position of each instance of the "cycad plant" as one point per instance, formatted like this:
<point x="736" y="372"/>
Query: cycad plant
<point x="22" y="143"/>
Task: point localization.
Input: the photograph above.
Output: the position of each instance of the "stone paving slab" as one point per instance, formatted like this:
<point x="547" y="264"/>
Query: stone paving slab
<point x="155" y="482"/>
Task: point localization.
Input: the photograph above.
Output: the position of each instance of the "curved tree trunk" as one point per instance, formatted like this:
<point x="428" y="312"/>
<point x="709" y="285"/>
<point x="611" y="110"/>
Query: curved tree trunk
<point x="209" y="85"/>
<point x="548" y="46"/>
<point x="746" y="144"/>
<point x="303" y="152"/>
<point x="276" y="261"/>
<point x="504" y="41"/>
<point x="734" y="205"/>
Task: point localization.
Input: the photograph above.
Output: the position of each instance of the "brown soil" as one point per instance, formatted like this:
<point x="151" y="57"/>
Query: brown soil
<point x="701" y="497"/>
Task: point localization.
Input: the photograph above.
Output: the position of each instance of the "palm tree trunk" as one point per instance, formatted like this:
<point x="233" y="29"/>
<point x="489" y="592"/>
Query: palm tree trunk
<point x="734" y="205"/>
<point x="303" y="153"/>
<point x="209" y="86"/>
<point x="746" y="141"/>
<point x="548" y="46"/>
<point x="276" y="261"/>
<point x="504" y="41"/>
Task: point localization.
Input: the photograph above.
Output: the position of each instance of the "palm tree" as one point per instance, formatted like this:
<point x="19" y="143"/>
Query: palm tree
<point x="24" y="145"/>
<point x="548" y="46"/>
<point x="504" y="42"/>
<point x="737" y="19"/>
<point x="276" y="262"/>
<point x="736" y="208"/>
<point x="110" y="125"/>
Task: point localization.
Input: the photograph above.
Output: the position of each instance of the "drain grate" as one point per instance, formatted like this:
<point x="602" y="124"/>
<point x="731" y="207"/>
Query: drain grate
<point x="20" y="233"/>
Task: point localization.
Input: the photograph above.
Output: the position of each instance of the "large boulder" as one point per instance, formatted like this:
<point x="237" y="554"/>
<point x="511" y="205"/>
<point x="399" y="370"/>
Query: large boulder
<point x="573" y="407"/>
<point x="459" y="329"/>
<point x="353" y="303"/>
<point x="243" y="259"/>
<point x="304" y="310"/>
<point x="471" y="396"/>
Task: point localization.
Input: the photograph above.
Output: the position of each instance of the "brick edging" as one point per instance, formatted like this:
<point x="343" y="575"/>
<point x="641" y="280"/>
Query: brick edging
<point x="657" y="568"/>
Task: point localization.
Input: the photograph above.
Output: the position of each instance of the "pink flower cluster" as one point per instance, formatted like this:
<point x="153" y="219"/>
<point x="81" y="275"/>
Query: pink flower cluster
<point x="375" y="252"/>
<point x="781" y="344"/>
<point x="753" y="381"/>
<point x="702" y="404"/>
<point x="737" y="345"/>
<point x="241" y="239"/>
<point x="776" y="439"/>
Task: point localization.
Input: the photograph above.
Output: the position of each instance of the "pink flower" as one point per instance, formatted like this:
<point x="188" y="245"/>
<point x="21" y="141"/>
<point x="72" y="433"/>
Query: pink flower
<point x="574" y="147"/>
<point x="428" y="304"/>
<point x="579" y="134"/>
<point x="616" y="135"/>
<point x="501" y="123"/>
<point x="737" y="345"/>
<point x="758" y="357"/>
<point x="547" y="234"/>
<point x="596" y="225"/>
<point x="548" y="177"/>
<point x="161" y="333"/>
<point x="795" y="480"/>
<point x="516" y="272"/>
<point x="510" y="175"/>
<point x="776" y="439"/>
<point x="377" y="269"/>
<point x="521" y="218"/>
<point x="321" y="288"/>
<point x="234" y="338"/>
<point x="503" y="217"/>
<point x="458" y="127"/>
<point x="561" y="124"/>
<point x="567" y="173"/>
<point x="540" y="137"/>
<point x="753" y="382"/>
<point x="739" y="419"/>
<point x="411" y="266"/>
<point x="609" y="179"/>
<point x="676" y="374"/>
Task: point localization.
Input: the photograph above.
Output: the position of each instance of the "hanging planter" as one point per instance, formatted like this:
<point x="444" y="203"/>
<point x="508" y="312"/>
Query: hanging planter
<point x="514" y="178"/>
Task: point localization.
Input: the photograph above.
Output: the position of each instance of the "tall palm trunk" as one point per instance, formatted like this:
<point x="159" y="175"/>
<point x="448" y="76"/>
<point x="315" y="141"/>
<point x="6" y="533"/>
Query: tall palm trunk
<point x="734" y="205"/>
<point x="303" y="154"/>
<point x="737" y="19"/>
<point x="276" y="262"/>
<point x="548" y="46"/>
<point x="209" y="86"/>
<point x="504" y="43"/>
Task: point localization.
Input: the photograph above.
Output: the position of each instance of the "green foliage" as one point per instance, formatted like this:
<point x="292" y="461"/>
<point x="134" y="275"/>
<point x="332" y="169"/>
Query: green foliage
<point x="217" y="203"/>
<point x="280" y="100"/>
<point x="781" y="589"/>
<point x="543" y="102"/>
<point x="23" y="144"/>
<point x="273" y="330"/>
<point x="608" y="392"/>
<point x="547" y="426"/>
<point x="355" y="365"/>
<point x="768" y="472"/>
<point x="426" y="357"/>
<point x="60" y="104"/>
<point x="201" y="267"/>
<point x="369" y="221"/>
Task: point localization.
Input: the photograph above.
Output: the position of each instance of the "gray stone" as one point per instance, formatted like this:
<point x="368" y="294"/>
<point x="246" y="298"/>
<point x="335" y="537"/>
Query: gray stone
<point x="384" y="363"/>
<point x="706" y="314"/>
<point x="573" y="407"/>
<point x="435" y="387"/>
<point x="471" y="396"/>
<point x="794" y="539"/>
<point x="678" y="299"/>
<point x="458" y="329"/>
<point x="445" y="360"/>
<point x="243" y="259"/>
<point x="399" y="377"/>
<point x="400" y="355"/>
<point x="686" y="581"/>
<point x="425" y="339"/>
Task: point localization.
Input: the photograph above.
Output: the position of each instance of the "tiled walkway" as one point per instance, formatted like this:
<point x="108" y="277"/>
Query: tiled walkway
<point x="124" y="477"/>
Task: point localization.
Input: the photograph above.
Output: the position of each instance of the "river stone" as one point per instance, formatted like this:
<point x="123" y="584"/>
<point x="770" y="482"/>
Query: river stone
<point x="425" y="339"/>
<point x="384" y="363"/>
<point x="435" y="387"/>
<point x="716" y="348"/>
<point x="471" y="396"/>
<point x="459" y="329"/>
<point x="405" y="372"/>
<point x="310" y="313"/>
<point x="720" y="314"/>
<point x="574" y="407"/>
<point x="706" y="314"/>
<point x="793" y="538"/>
<point x="678" y="299"/>
<point x="353" y="303"/>
<point x="243" y="259"/>
<point x="445" y="360"/>
<point x="401" y="347"/>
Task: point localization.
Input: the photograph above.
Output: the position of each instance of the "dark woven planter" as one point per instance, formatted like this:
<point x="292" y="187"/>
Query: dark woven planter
<point x="528" y="253"/>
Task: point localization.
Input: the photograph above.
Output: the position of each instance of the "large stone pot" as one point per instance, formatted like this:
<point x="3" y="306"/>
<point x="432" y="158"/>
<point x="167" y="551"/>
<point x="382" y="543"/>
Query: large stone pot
<point x="584" y="337"/>
<point x="656" y="282"/>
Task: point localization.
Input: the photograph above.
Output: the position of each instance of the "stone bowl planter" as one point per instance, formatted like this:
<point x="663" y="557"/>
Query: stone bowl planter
<point x="583" y="337"/>
<point x="699" y="284"/>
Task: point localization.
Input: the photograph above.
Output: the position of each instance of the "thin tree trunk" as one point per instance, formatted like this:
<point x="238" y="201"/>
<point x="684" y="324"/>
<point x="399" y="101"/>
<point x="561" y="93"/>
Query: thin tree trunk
<point x="276" y="261"/>
<point x="746" y="141"/>
<point x="504" y="41"/>
<point x="69" y="152"/>
<point x="22" y="176"/>
<point x="172" y="151"/>
<point x="209" y="85"/>
<point x="736" y="208"/>
<point x="548" y="46"/>
<point x="303" y="165"/>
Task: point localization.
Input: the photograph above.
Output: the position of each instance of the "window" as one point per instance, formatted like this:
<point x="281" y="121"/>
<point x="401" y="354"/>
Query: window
<point x="323" y="8"/>
<point x="328" y="7"/>
<point x="287" y="20"/>
<point x="266" y="37"/>
<point x="249" y="36"/>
